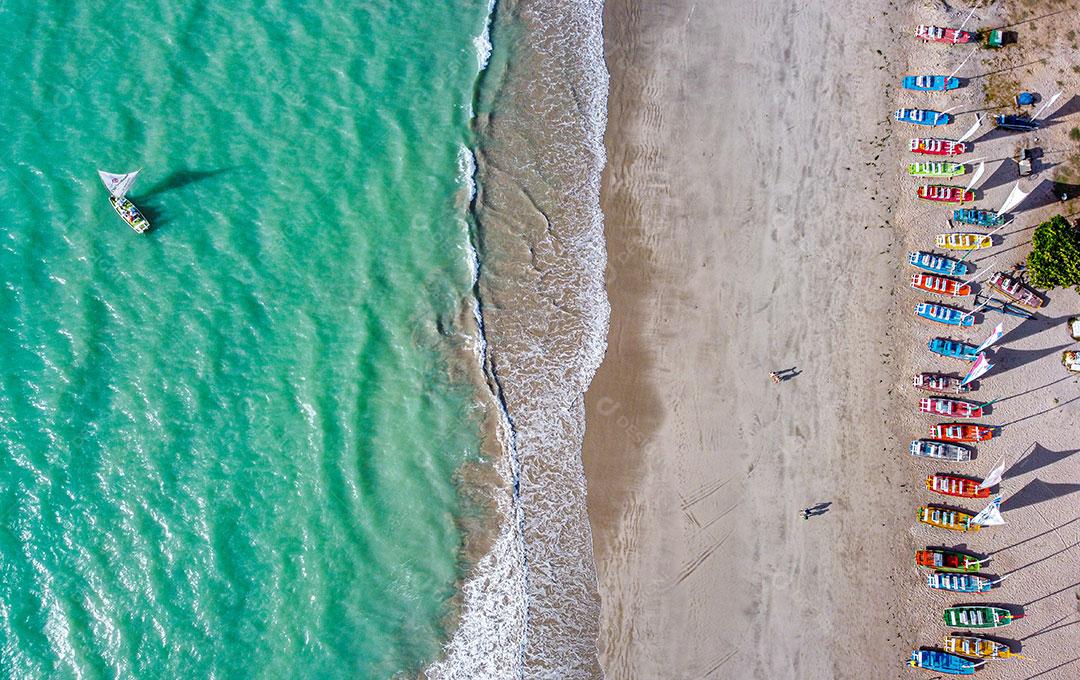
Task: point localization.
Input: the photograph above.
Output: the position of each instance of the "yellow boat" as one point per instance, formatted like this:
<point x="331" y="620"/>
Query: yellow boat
<point x="963" y="241"/>
<point x="977" y="647"/>
<point x="944" y="518"/>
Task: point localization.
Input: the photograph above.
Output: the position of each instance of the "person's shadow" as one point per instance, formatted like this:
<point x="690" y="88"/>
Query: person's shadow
<point x="819" y="509"/>
<point x="788" y="373"/>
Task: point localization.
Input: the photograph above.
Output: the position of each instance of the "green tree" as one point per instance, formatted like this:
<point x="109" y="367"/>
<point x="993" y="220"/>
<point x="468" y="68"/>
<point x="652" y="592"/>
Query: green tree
<point x="1055" y="255"/>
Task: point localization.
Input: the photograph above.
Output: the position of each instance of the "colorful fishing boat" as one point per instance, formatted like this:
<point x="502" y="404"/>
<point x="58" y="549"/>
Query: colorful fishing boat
<point x="979" y="617"/>
<point x="980" y="648"/>
<point x="946" y="518"/>
<point x="943" y="559"/>
<point x="979" y="218"/>
<point x="1016" y="123"/>
<point x="925" y="448"/>
<point x="944" y="193"/>
<point x="956" y="486"/>
<point x="930" y="83"/>
<point x="118" y="185"/>
<point x="953" y="36"/>
<point x="952" y="408"/>
<point x="934" y="146"/>
<point x="936" y="169"/>
<point x="961" y="432"/>
<point x="1015" y="290"/>
<point x="941" y="285"/>
<point x="926" y="117"/>
<point x="963" y="241"/>
<point x="937" y="264"/>
<point x="939" y="382"/>
<point x="946" y="315"/>
<point x="953" y="348"/>
<point x="960" y="583"/>
<point x="943" y="662"/>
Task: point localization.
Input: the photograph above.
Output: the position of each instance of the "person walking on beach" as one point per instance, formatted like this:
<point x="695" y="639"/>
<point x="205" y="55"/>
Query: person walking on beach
<point x="775" y="377"/>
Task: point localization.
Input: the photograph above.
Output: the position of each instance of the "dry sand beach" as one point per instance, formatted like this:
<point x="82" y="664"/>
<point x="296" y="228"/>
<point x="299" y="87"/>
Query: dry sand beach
<point x="757" y="216"/>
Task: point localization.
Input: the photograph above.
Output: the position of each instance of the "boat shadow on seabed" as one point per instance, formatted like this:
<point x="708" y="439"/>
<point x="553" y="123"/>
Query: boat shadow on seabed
<point x="153" y="210"/>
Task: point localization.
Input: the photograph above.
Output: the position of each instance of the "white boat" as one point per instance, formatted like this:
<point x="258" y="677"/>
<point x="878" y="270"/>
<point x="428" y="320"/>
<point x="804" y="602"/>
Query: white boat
<point x="118" y="186"/>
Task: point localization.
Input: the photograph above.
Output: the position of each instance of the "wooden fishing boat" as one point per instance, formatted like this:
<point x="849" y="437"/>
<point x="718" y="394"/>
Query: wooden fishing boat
<point x="959" y="583"/>
<point x="944" y="193"/>
<point x="937" y="264"/>
<point x="946" y="518"/>
<point x="934" y="146"/>
<point x="961" y="432"/>
<point x="930" y="83"/>
<point x="945" y="315"/>
<point x="942" y="285"/>
<point x="926" y="117"/>
<point x="980" y="648"/>
<point x="1016" y="123"/>
<point x="952" y="408"/>
<point x="979" y="617"/>
<point x="963" y="241"/>
<point x="1015" y="290"/>
<point x="118" y="185"/>
<point x="926" y="448"/>
<point x="956" y="486"/>
<point x="953" y="348"/>
<point x="939" y="382"/>
<point x="943" y="662"/>
<point x="936" y="169"/>
<point x="953" y="36"/>
<point x="943" y="559"/>
<point x="979" y="218"/>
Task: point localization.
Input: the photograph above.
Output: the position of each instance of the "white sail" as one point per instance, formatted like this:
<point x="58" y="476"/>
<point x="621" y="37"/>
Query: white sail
<point x="999" y="331"/>
<point x="995" y="476"/>
<point x="1048" y="104"/>
<point x="977" y="176"/>
<point x="990" y="515"/>
<point x="971" y="131"/>
<point x="1016" y="196"/>
<point x="980" y="367"/>
<point x="118" y="184"/>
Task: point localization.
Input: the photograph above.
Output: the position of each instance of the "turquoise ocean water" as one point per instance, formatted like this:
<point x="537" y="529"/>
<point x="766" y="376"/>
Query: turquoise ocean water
<point x="230" y="448"/>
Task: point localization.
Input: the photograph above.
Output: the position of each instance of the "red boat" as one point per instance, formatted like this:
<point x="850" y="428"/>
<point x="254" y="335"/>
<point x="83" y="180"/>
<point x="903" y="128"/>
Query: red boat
<point x="961" y="432"/>
<point x="954" y="485"/>
<point x="937" y="147"/>
<point x="942" y="285"/>
<point x="1015" y="290"/>
<point x="952" y="408"/>
<point x="937" y="382"/>
<point x="953" y="36"/>
<point x="943" y="193"/>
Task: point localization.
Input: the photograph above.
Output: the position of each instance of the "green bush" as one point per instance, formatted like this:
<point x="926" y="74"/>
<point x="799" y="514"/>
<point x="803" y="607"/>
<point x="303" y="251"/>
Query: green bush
<point x="1055" y="255"/>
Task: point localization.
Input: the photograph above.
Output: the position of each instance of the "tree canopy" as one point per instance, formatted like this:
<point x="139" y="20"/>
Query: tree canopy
<point x="1055" y="255"/>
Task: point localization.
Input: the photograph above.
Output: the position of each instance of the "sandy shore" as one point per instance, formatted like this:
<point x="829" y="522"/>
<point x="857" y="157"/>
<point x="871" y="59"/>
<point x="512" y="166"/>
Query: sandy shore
<point x="756" y="219"/>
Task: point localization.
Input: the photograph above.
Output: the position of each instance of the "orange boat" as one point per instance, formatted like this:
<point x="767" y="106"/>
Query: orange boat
<point x="961" y="432"/>
<point x="950" y="408"/>
<point x="944" y="193"/>
<point x="954" y="485"/>
<point x="942" y="285"/>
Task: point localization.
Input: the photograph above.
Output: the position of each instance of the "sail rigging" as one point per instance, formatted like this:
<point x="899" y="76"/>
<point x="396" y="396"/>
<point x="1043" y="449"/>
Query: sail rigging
<point x="118" y="184"/>
<point x="995" y="476"/>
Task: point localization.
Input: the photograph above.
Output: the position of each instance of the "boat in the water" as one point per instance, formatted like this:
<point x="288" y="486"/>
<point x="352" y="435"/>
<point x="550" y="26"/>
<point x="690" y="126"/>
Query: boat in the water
<point x="952" y="408"/>
<point x="945" y="193"/>
<point x="955" y="486"/>
<point x="118" y="185"/>
<point x="925" y="448"/>
<point x="945" y="315"/>
<point x="977" y="647"/>
<point x="939" y="382"/>
<point x="978" y="218"/>
<point x="941" y="34"/>
<point x="979" y="617"/>
<point x="960" y="583"/>
<point x="941" y="285"/>
<point x="961" y="432"/>
<point x="946" y="518"/>
<point x="943" y="559"/>
<point x="1015" y="290"/>
<point x="1016" y="123"/>
<point x="943" y="662"/>
<point x="953" y="348"/>
<point x="937" y="264"/>
<point x="963" y="241"/>
<point x="926" y="117"/>
<point x="936" y="169"/>
<point x="934" y="146"/>
<point x="930" y="83"/>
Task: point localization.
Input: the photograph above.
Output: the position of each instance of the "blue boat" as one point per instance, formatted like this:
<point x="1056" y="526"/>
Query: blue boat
<point x="943" y="662"/>
<point x="946" y="315"/>
<point x="1017" y="123"/>
<point x="960" y="583"/>
<point x="937" y="264"/>
<point x="953" y="348"/>
<point x="922" y="117"/>
<point x="980" y="218"/>
<point x="930" y="83"/>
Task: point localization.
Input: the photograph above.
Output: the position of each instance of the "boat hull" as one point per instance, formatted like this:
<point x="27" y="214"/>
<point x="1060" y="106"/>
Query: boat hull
<point x="963" y="241"/>
<point x="952" y="348"/>
<point x="980" y="648"/>
<point x="946" y="518"/>
<point x="942" y="384"/>
<point x="955" y="486"/>
<point x="936" y="169"/>
<point x="978" y="218"/>
<point x="940" y="285"/>
<point x="933" y="146"/>
<point x="930" y="83"/>
<point x="950" y="408"/>
<point x="947" y="560"/>
<point x="926" y="448"/>
<point x="937" y="264"/>
<point x="951" y="36"/>
<point x="959" y="583"/>
<point x="924" y="117"/>
<point x="130" y="214"/>
<point x="978" y="617"/>
<point x="942" y="662"/>
<point x="944" y="193"/>
<point x="944" y="315"/>
<point x="962" y="433"/>
<point x="1015" y="290"/>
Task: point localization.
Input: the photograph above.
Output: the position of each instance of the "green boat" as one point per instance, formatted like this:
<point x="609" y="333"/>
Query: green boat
<point x="936" y="169"/>
<point x="979" y="617"/>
